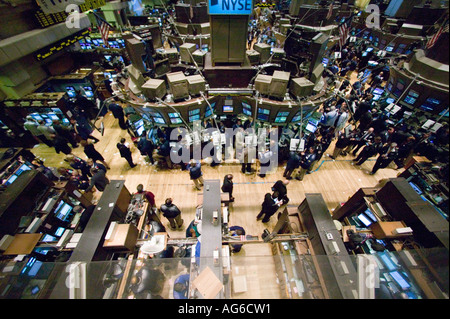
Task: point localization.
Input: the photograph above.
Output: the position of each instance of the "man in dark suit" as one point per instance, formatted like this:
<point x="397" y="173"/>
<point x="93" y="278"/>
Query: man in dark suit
<point x="369" y="150"/>
<point x="306" y="162"/>
<point x="364" y="139"/>
<point x="125" y="152"/>
<point x="292" y="164"/>
<point x="388" y="154"/>
<point x="227" y="186"/>
<point x="98" y="179"/>
<point x="269" y="207"/>
<point x="117" y="112"/>
<point x="172" y="213"/>
<point x="280" y="187"/>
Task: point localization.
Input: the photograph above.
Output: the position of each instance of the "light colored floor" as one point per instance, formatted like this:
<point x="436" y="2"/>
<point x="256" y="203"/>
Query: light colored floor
<point x="335" y="180"/>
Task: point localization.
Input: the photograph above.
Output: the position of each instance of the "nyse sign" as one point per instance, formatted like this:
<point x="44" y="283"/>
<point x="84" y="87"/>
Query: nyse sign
<point x="230" y="7"/>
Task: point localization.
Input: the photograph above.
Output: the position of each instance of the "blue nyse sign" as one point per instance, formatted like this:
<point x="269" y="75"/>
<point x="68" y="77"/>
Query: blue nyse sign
<point x="230" y="7"/>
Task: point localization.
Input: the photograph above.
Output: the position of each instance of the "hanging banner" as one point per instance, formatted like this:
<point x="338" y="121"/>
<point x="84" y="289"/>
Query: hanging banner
<point x="52" y="6"/>
<point x="230" y="7"/>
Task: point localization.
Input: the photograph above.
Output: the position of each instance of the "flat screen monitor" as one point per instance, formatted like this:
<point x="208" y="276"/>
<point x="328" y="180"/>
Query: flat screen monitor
<point x="378" y="91"/>
<point x="376" y="97"/>
<point x="11" y="179"/>
<point x="195" y="117"/>
<point x="263" y="117"/>
<point x="35" y="268"/>
<point x="390" y="100"/>
<point x="176" y="120"/>
<point x="37" y="117"/>
<point x="369" y="49"/>
<point x="53" y="116"/>
<point x="95" y="42"/>
<point x="138" y="123"/>
<point x="325" y="62"/>
<point x="22" y="168"/>
<point x="369" y="213"/>
<point x="430" y="105"/>
<point x="387" y="261"/>
<point x="280" y="119"/>
<point x="398" y="278"/>
<point x="63" y="210"/>
<point x="49" y="238"/>
<point x="159" y="120"/>
<point x="70" y="91"/>
<point x="140" y="130"/>
<point x="108" y="57"/>
<point x="227" y="108"/>
<point x="389" y="48"/>
<point x="364" y="54"/>
<point x="363" y="218"/>
<point x="173" y="115"/>
<point x="444" y="113"/>
<point x="60" y="231"/>
<point x="246" y="109"/>
<point x="311" y="127"/>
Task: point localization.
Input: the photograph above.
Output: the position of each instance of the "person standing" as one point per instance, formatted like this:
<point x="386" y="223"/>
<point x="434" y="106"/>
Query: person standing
<point x="195" y="173"/>
<point x="369" y="150"/>
<point x="404" y="151"/>
<point x="149" y="196"/>
<point x="98" y="179"/>
<point x="32" y="126"/>
<point x="389" y="153"/>
<point x="306" y="163"/>
<point x="60" y="144"/>
<point x="64" y="132"/>
<point x="125" y="151"/>
<point x="363" y="139"/>
<point x="292" y="164"/>
<point x="91" y="164"/>
<point x="117" y="112"/>
<point x="269" y="207"/>
<point x="146" y="147"/>
<point x="91" y="152"/>
<point x="48" y="133"/>
<point x="83" y="130"/>
<point x="227" y="186"/>
<point x="172" y="213"/>
<point x="281" y="187"/>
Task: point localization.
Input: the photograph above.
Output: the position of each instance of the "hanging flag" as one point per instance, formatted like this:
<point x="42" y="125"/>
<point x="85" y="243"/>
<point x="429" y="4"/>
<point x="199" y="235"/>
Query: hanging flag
<point x="104" y="28"/>
<point x="330" y="10"/>
<point x="432" y="41"/>
<point x="344" y="29"/>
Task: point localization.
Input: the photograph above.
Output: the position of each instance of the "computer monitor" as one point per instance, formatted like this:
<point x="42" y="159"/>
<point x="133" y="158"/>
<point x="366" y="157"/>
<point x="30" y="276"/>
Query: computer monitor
<point x="159" y="120"/>
<point x="246" y="109"/>
<point x="49" y="238"/>
<point x="398" y="278"/>
<point x="444" y="113"/>
<point x="263" y="117"/>
<point x="11" y="179"/>
<point x="311" y="126"/>
<point x="193" y="118"/>
<point x="60" y="231"/>
<point x="280" y="119"/>
<point x="140" y="130"/>
<point x="37" y="116"/>
<point x="387" y="261"/>
<point x="369" y="49"/>
<point x="390" y="100"/>
<point x="176" y="120"/>
<point x="53" y="116"/>
<point x="363" y="218"/>
<point x="430" y="105"/>
<point x="325" y="62"/>
<point x="70" y="91"/>
<point x="378" y="91"/>
<point x="22" y="168"/>
<point x="227" y="108"/>
<point x="35" y="268"/>
<point x="369" y="213"/>
<point x="389" y="48"/>
<point x="138" y="123"/>
<point x="63" y="210"/>
<point x="108" y="57"/>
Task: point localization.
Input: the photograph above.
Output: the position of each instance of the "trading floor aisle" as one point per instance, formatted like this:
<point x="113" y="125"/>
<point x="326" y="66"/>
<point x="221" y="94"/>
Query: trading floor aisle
<point x="335" y="180"/>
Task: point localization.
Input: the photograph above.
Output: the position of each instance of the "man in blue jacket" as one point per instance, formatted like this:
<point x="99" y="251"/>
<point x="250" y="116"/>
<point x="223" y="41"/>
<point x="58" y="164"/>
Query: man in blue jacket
<point x="195" y="173"/>
<point x="305" y="163"/>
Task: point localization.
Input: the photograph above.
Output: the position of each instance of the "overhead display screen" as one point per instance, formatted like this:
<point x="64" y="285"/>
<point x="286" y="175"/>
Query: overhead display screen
<point x="230" y="7"/>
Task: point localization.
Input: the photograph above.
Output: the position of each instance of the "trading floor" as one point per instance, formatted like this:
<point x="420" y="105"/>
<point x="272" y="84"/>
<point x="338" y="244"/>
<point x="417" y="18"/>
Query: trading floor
<point x="336" y="180"/>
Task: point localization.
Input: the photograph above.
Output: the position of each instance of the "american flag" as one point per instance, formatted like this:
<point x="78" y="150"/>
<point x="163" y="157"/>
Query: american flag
<point x="330" y="10"/>
<point x="344" y="29"/>
<point x="432" y="41"/>
<point x="104" y="28"/>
